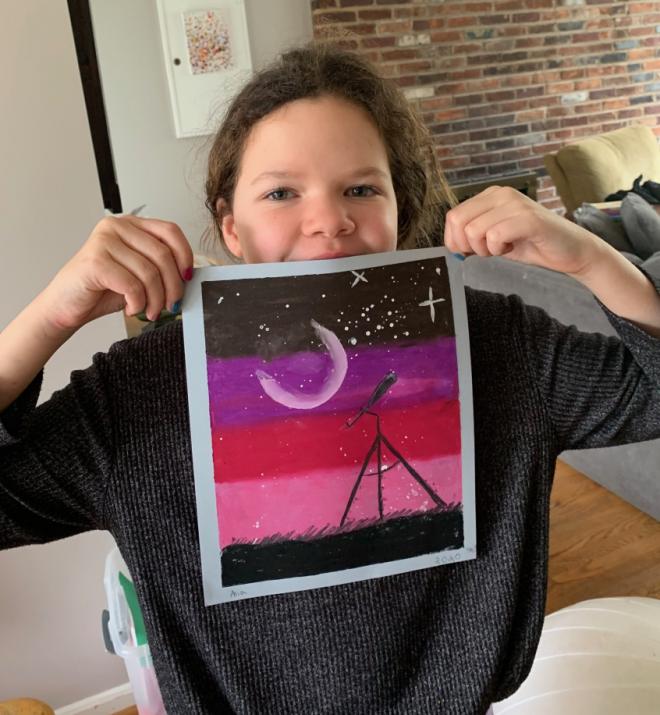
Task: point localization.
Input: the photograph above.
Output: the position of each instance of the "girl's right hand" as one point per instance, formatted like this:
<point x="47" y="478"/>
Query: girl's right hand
<point x="127" y="263"/>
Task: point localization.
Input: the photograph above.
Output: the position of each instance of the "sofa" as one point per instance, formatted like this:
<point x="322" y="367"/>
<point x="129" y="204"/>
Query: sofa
<point x="593" y="168"/>
<point x="630" y="471"/>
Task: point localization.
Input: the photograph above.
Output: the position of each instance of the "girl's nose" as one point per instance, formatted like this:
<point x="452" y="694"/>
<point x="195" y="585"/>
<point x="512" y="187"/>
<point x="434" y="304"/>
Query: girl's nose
<point x="327" y="216"/>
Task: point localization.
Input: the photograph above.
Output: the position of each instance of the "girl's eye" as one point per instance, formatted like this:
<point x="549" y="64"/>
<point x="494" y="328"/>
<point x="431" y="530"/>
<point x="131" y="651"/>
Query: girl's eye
<point x="279" y="194"/>
<point x="362" y="191"/>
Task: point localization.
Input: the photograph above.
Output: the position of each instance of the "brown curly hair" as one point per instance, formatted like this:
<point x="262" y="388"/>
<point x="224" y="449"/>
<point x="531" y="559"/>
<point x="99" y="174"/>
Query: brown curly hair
<point x="322" y="69"/>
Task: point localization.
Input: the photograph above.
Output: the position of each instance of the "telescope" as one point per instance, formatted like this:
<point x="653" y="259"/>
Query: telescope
<point x="382" y="387"/>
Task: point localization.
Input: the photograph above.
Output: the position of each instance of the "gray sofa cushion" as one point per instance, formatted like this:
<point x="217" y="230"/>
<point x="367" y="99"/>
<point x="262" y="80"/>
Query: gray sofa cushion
<point x="652" y="265"/>
<point x="604" y="226"/>
<point x="642" y="225"/>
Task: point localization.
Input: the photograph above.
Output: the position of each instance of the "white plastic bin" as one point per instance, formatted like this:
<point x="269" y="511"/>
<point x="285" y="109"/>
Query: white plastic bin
<point x="128" y="637"/>
<point x="596" y="657"/>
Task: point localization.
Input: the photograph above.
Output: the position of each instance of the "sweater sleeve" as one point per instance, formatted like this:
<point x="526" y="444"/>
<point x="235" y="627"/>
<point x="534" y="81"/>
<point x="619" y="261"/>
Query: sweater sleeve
<point x="55" y="460"/>
<point x="599" y="391"/>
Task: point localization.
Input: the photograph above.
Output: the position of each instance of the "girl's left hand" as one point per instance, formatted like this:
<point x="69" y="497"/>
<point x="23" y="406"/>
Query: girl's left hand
<point x="501" y="221"/>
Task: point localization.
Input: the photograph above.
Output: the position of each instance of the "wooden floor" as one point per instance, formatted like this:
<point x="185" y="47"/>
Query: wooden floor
<point x="599" y="545"/>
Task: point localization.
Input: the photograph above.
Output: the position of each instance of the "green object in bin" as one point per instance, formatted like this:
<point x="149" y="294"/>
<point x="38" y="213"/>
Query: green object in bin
<point x="134" y="607"/>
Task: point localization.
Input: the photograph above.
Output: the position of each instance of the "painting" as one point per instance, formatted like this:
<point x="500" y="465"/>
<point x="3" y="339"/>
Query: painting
<point x="207" y="58"/>
<point x="331" y="421"/>
<point x="208" y="41"/>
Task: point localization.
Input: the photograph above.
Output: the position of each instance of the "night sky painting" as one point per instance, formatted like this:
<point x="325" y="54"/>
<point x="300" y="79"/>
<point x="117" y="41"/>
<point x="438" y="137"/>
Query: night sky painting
<point x="335" y="420"/>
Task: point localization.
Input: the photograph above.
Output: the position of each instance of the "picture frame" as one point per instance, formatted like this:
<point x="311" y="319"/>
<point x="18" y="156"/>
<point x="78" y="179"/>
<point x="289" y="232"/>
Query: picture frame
<point x="206" y="49"/>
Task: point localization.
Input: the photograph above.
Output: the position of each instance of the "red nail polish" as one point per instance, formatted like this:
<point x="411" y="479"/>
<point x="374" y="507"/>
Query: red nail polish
<point x="188" y="274"/>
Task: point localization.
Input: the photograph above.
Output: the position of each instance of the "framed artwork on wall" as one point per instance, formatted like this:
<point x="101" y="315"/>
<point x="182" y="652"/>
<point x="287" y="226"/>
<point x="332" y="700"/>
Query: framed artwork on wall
<point x="206" y="49"/>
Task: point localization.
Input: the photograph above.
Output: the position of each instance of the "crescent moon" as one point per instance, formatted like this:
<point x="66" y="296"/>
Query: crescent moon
<point x="302" y="401"/>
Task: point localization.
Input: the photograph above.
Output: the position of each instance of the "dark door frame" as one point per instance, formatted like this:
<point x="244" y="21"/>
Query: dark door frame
<point x="83" y="36"/>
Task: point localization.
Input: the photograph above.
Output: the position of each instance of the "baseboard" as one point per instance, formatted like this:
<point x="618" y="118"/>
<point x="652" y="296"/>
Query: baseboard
<point x="105" y="703"/>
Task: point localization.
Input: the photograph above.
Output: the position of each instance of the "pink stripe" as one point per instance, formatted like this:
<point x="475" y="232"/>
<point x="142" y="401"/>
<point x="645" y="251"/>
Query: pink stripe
<point x="252" y="510"/>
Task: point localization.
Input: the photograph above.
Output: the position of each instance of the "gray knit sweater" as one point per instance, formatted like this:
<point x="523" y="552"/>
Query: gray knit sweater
<point x="112" y="451"/>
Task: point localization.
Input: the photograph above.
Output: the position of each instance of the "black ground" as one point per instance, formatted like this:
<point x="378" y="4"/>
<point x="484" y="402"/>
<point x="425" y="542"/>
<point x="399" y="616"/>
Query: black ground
<point x="389" y="540"/>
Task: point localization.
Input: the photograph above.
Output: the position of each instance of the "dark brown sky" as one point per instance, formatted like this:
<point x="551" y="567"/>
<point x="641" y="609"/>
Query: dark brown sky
<point x="271" y="317"/>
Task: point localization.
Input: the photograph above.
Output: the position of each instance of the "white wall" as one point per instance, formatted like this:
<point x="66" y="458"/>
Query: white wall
<point x="153" y="167"/>
<point x="50" y="596"/>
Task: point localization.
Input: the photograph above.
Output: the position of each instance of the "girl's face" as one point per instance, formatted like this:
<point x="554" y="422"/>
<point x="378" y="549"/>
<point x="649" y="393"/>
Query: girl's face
<point x="314" y="182"/>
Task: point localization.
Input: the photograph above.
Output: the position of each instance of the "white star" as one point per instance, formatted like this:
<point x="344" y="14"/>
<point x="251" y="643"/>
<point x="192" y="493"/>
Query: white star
<point x="430" y="302"/>
<point x="358" y="277"/>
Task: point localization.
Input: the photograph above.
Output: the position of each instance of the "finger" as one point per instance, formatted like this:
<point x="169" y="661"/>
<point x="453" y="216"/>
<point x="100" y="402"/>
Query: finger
<point x="512" y="235"/>
<point x="173" y="237"/>
<point x="455" y="239"/>
<point x="463" y="214"/>
<point x="118" y="279"/>
<point x="160" y="255"/>
<point x="147" y="272"/>
<point x="489" y="199"/>
<point x="486" y="234"/>
<point x="448" y="240"/>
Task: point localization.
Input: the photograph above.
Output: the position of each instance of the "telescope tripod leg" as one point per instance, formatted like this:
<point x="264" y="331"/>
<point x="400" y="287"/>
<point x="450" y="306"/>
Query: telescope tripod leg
<point x="438" y="501"/>
<point x="356" y="486"/>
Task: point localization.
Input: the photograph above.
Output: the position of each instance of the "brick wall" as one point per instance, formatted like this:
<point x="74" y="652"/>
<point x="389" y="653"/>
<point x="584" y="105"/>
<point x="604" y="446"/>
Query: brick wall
<point x="500" y="83"/>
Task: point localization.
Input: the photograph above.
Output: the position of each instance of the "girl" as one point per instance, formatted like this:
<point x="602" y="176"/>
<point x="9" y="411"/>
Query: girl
<point x="318" y="157"/>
